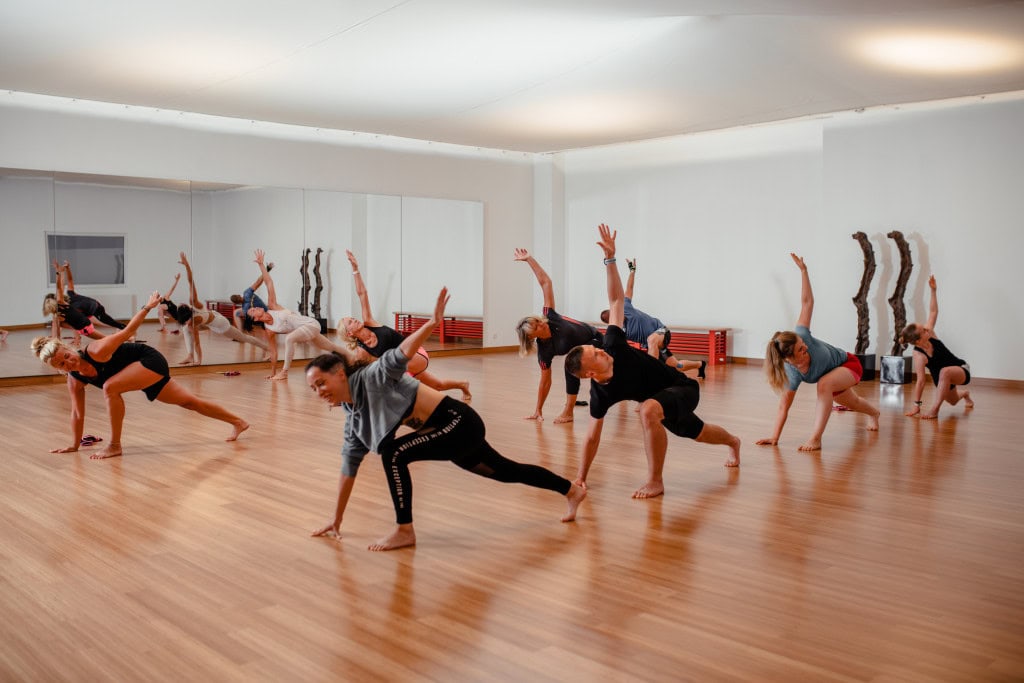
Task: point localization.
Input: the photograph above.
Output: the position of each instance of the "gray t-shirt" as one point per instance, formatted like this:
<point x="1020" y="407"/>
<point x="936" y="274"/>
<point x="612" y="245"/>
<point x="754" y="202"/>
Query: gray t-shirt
<point x="824" y="359"/>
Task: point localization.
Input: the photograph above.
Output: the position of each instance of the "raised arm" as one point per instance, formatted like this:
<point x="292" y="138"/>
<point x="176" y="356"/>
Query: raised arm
<point x="933" y="305"/>
<point x="632" y="276"/>
<point x="177" y="276"/>
<point x="415" y="340"/>
<point x="192" y="294"/>
<point x="364" y="298"/>
<point x="542" y="277"/>
<point x="616" y="297"/>
<point x="71" y="278"/>
<point x="102" y="349"/>
<point x="267" y="280"/>
<point x="806" y="295"/>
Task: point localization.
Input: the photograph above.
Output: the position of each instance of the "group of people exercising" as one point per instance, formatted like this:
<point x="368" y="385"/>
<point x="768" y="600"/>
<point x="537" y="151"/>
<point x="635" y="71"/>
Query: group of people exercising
<point x="395" y="408"/>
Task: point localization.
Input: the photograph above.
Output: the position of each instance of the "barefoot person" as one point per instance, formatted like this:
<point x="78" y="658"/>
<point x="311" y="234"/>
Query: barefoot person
<point x="86" y="306"/>
<point x="649" y="333"/>
<point x="195" y="317"/>
<point x="796" y="357"/>
<point x="619" y="372"/>
<point x="277" y="319"/>
<point x="948" y="372"/>
<point x="379" y="398"/>
<point x="55" y="304"/>
<point x="117" y="367"/>
<point x="375" y="339"/>
<point x="554" y="335"/>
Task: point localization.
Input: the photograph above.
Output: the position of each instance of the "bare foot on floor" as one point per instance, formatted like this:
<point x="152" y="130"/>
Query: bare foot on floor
<point x="734" y="453"/>
<point x="651" y="489"/>
<point x="929" y="415"/>
<point x="873" y="423"/>
<point x="466" y="396"/>
<point x="239" y="427"/>
<point x="968" y="403"/>
<point x="280" y="375"/>
<point x="575" y="497"/>
<point x="562" y="419"/>
<point x="111" y="451"/>
<point x="812" y="445"/>
<point x="401" y="537"/>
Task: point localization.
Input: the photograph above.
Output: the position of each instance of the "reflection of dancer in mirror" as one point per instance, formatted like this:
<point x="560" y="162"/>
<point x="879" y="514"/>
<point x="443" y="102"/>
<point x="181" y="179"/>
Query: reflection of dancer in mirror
<point x="66" y="315"/>
<point x="88" y="306"/>
<point x="379" y="398"/>
<point x="195" y="317"/>
<point x="3" y="336"/>
<point x="375" y="338"/>
<point x="620" y="372"/>
<point x="247" y="300"/>
<point x="167" y="308"/>
<point x="277" y="319"/>
<point x="650" y="334"/>
<point x="796" y="357"/>
<point x="118" y="366"/>
<point x="948" y="372"/>
<point x="555" y="335"/>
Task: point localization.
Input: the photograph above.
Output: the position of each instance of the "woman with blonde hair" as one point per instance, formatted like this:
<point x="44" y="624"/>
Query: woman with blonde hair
<point x="796" y="357"/>
<point x="948" y="372"/>
<point x="374" y="338"/>
<point x="118" y="366"/>
<point x="553" y="335"/>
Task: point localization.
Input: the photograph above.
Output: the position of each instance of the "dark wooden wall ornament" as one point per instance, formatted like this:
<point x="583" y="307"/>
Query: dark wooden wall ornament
<point x="899" y="311"/>
<point x="304" y="295"/>
<point x="861" y="299"/>
<point x="319" y="284"/>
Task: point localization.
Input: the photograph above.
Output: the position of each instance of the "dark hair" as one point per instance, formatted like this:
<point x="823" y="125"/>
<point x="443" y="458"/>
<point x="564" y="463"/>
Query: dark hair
<point x="183" y="314"/>
<point x="248" y="323"/>
<point x="910" y="334"/>
<point x="574" y="361"/>
<point x="172" y="308"/>
<point x="237" y="299"/>
<point x="604" y="316"/>
<point x="328" y="362"/>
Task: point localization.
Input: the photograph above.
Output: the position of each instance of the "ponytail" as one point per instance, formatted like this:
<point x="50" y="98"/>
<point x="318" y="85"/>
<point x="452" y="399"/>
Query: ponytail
<point x="779" y="349"/>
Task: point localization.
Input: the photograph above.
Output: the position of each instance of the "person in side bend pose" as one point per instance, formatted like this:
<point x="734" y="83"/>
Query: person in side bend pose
<point x="375" y="338"/>
<point x="247" y="300"/>
<point x="554" y="335"/>
<point x="379" y="398"/>
<point x="649" y="333"/>
<point x="167" y="309"/>
<point x="65" y="315"/>
<point x="277" y="319"/>
<point x="796" y="357"/>
<point x="118" y="366"/>
<point x="948" y="372"/>
<point x="620" y="372"/>
<point x="87" y="306"/>
<point x="194" y="317"/>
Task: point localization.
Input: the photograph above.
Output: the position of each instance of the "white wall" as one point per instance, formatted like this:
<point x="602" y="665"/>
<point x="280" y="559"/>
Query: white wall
<point x="713" y="217"/>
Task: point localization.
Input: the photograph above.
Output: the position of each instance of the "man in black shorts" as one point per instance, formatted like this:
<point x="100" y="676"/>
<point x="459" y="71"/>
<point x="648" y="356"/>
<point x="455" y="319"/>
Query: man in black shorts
<point x="620" y="372"/>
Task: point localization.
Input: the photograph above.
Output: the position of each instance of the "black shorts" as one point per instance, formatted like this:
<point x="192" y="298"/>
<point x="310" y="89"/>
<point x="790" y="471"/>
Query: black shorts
<point x="664" y="352"/>
<point x="678" y="402"/>
<point x="157" y="363"/>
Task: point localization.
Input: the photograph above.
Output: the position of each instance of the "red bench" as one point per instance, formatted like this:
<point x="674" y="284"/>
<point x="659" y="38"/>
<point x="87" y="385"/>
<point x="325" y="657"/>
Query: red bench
<point x="699" y="341"/>
<point x="451" y="327"/>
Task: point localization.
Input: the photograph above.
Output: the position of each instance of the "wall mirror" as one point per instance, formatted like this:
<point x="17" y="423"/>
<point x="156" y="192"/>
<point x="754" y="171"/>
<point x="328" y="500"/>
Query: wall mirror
<point x="408" y="247"/>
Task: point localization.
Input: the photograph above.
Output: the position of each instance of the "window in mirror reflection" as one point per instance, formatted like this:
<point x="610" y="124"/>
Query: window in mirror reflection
<point x="95" y="259"/>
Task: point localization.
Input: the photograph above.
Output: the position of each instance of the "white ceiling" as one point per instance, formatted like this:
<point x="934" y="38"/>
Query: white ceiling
<point x="525" y="75"/>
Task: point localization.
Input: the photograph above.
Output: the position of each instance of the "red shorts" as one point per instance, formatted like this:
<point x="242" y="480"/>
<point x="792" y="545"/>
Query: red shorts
<point x="853" y="365"/>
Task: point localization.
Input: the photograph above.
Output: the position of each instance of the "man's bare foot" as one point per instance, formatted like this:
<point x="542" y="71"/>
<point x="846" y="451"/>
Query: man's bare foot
<point x="734" y="453"/>
<point x="239" y="427"/>
<point x="280" y="375"/>
<point x="562" y="419"/>
<point x="873" y="423"/>
<point x="812" y="445"/>
<point x="112" y="450"/>
<point x="466" y="396"/>
<point x="651" y="489"/>
<point x="403" y="536"/>
<point x="575" y="497"/>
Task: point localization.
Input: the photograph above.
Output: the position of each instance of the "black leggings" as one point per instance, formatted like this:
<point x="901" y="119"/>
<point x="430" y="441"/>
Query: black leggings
<point x="455" y="432"/>
<point x="103" y="317"/>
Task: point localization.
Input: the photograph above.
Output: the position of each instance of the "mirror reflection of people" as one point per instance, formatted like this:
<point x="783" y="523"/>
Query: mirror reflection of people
<point x="379" y="398"/>
<point x="620" y="372"/>
<point x="246" y="300"/>
<point x="118" y="366"/>
<point x="796" y="357"/>
<point x="552" y="334"/>
<point x="948" y="372"/>
<point x="64" y="314"/>
<point x="375" y="338"/>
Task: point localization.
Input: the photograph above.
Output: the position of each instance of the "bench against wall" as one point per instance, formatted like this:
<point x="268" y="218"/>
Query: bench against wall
<point x="699" y="341"/>
<point x="451" y="327"/>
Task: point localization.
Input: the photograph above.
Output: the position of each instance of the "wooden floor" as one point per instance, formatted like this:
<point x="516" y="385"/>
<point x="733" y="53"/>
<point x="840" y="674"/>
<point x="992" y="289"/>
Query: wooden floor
<point x="896" y="556"/>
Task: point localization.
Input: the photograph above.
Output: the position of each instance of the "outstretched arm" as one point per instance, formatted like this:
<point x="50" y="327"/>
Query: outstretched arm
<point x="77" y="391"/>
<point x="806" y="295"/>
<point x="415" y="340"/>
<point x="177" y="276"/>
<point x="192" y="294"/>
<point x="785" y="402"/>
<point x="102" y="349"/>
<point x="267" y="280"/>
<point x="542" y="277"/>
<point x="364" y="298"/>
<point x="632" y="276"/>
<point x="920" y="362"/>
<point x="71" y="278"/>
<point x="344" y="492"/>
<point x="933" y="305"/>
<point x="616" y="297"/>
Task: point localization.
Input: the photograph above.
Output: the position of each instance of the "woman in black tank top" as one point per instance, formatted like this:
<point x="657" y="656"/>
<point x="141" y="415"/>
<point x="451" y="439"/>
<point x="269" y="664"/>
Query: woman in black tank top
<point x="374" y="339"/>
<point x="948" y="372"/>
<point x="118" y="367"/>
